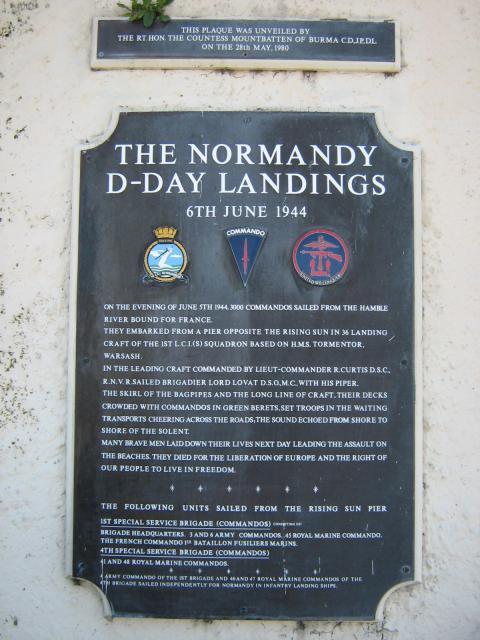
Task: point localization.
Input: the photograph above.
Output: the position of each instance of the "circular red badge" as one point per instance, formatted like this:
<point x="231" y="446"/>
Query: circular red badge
<point x="320" y="257"/>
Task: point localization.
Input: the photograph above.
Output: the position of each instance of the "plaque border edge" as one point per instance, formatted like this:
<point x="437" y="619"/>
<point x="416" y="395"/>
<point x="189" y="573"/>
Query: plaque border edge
<point x="72" y="359"/>
<point x="415" y="149"/>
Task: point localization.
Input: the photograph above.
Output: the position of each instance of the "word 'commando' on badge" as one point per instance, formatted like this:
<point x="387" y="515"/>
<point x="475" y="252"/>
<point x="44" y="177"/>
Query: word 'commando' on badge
<point x="165" y="260"/>
<point x="245" y="244"/>
<point x="320" y="257"/>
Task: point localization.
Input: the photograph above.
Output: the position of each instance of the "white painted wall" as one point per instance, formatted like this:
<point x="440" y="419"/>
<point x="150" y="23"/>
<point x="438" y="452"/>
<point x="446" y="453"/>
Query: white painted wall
<point x="49" y="101"/>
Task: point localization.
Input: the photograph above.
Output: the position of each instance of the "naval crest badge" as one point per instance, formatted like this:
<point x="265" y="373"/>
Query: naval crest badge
<point x="166" y="259"/>
<point x="320" y="257"/>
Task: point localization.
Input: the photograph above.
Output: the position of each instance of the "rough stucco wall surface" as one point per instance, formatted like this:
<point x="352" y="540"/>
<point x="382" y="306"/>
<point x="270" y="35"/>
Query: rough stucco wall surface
<point x="50" y="100"/>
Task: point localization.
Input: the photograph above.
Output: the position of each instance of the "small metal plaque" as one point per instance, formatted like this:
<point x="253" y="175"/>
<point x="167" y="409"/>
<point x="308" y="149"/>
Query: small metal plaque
<point x="245" y="366"/>
<point x="247" y="44"/>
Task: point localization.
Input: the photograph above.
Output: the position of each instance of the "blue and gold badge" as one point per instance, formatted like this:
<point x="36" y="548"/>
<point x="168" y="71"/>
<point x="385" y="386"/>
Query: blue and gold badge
<point x="165" y="259"/>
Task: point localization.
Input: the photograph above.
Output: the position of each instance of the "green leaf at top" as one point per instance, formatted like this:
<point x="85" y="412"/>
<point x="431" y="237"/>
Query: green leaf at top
<point x="149" y="18"/>
<point x="146" y="10"/>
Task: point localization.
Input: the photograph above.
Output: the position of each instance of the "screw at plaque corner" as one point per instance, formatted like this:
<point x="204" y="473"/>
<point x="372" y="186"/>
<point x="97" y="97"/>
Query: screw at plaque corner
<point x="101" y="54"/>
<point x="406" y="570"/>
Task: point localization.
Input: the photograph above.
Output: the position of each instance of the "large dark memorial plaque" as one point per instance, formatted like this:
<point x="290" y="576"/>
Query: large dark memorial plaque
<point x="244" y="371"/>
<point x="247" y="44"/>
